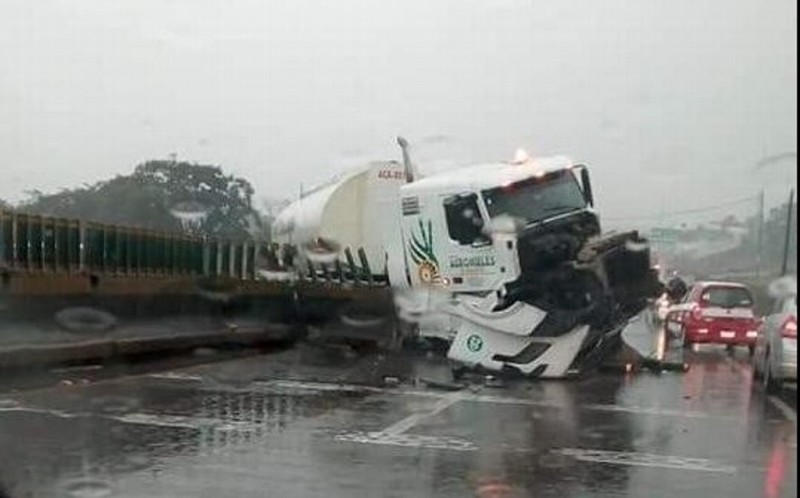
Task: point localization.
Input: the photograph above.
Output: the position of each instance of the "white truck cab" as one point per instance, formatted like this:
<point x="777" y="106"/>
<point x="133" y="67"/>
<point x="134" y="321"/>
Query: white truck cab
<point x="459" y="228"/>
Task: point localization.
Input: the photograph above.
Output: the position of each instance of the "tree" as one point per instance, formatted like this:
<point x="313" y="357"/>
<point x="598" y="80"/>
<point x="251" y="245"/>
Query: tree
<point x="162" y="195"/>
<point x="4" y="206"/>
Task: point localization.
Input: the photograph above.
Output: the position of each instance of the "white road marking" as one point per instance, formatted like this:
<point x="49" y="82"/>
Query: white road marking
<point x="183" y="422"/>
<point x="784" y="408"/>
<point x="176" y="376"/>
<point x="42" y="411"/>
<point x="656" y="411"/>
<point x="151" y="419"/>
<point x="635" y="459"/>
<point x="415" y="418"/>
<point x="407" y="440"/>
<point x="77" y="368"/>
<point x="321" y="386"/>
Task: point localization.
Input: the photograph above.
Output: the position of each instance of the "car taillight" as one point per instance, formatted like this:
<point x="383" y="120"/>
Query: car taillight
<point x="789" y="328"/>
<point x="697" y="313"/>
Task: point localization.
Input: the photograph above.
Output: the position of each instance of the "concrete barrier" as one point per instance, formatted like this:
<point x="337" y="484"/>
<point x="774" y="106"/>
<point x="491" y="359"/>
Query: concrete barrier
<point x="24" y="357"/>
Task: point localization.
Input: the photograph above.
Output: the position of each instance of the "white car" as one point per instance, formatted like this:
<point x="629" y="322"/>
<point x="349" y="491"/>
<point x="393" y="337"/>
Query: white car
<point x="775" y="358"/>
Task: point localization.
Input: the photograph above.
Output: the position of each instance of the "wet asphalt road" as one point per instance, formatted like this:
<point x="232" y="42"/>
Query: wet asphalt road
<point x="320" y="422"/>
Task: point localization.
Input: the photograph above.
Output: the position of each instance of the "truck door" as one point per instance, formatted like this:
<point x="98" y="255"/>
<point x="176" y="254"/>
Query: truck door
<point x="470" y="259"/>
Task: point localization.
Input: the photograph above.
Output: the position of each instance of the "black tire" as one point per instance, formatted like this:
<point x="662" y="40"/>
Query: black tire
<point x="771" y="384"/>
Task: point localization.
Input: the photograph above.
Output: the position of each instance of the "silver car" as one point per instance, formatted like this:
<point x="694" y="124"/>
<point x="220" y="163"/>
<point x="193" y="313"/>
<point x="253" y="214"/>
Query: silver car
<point x="775" y="358"/>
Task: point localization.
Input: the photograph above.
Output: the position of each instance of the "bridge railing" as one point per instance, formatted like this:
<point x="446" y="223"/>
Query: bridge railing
<point x="31" y="243"/>
<point x="34" y="243"/>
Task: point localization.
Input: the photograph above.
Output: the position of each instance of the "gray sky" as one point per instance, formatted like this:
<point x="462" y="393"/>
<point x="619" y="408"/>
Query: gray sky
<point x="680" y="96"/>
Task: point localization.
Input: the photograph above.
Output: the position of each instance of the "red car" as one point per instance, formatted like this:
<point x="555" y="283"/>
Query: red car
<point x="715" y="312"/>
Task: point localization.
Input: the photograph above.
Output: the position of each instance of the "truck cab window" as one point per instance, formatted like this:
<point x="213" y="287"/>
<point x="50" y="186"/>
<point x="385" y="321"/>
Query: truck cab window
<point x="464" y="222"/>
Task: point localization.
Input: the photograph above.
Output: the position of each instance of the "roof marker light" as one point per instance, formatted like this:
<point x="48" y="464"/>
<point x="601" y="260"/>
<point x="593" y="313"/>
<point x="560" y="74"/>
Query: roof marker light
<point x="521" y="156"/>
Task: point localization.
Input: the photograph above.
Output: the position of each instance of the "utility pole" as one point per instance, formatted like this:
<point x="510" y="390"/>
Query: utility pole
<point x="760" y="233"/>
<point x="788" y="235"/>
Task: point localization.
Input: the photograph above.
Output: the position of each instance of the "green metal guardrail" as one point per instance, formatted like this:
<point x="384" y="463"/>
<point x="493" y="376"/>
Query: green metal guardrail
<point x="33" y="243"/>
<point x="50" y="245"/>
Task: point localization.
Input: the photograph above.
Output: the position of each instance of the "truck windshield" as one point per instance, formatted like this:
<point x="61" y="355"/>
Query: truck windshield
<point x="536" y="199"/>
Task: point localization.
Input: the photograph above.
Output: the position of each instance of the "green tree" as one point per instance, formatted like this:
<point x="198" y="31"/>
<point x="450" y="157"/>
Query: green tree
<point x="161" y="195"/>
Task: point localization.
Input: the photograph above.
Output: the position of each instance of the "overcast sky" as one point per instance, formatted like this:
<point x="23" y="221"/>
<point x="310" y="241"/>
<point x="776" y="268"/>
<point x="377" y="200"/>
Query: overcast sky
<point x="678" y="96"/>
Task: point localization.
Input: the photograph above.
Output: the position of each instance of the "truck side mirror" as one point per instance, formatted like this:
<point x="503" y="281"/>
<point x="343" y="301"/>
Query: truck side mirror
<point x="586" y="180"/>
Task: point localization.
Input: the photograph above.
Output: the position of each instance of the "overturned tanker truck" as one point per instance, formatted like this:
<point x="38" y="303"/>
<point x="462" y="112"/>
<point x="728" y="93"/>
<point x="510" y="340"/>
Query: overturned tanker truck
<point x="506" y="262"/>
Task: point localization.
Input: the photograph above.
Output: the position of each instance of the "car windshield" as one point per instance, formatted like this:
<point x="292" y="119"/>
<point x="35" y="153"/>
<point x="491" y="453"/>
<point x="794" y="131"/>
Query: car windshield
<point x="727" y="297"/>
<point x="536" y="199"/>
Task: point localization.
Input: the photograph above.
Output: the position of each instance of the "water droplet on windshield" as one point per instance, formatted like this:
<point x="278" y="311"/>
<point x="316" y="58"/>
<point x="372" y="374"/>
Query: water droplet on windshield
<point x="783" y="288"/>
<point x="81" y="319"/>
<point x="216" y="290"/>
<point x="191" y="214"/>
<point x="321" y="251"/>
<point x="204" y="352"/>
<point x="115" y="404"/>
<point x="86" y="488"/>
<point x="634" y="246"/>
<point x="421" y="305"/>
<point x="504" y="225"/>
<point x="226" y="380"/>
<point x="8" y="403"/>
<point x="277" y="275"/>
<point x="360" y="318"/>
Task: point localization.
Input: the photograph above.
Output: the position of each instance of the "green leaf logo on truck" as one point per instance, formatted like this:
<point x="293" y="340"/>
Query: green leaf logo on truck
<point x="421" y="249"/>
<point x="474" y="343"/>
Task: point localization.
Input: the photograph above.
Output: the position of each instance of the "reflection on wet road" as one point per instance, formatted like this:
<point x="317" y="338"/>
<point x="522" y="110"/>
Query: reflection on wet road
<point x="319" y="422"/>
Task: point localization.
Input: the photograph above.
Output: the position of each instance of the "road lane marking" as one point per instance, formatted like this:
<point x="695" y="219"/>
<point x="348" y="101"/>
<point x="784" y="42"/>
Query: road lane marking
<point x="415" y="418"/>
<point x="784" y="408"/>
<point x="321" y="386"/>
<point x="634" y="459"/>
<point x="176" y="376"/>
<point x="183" y="422"/>
<point x="407" y="441"/>
<point x="40" y="411"/>
<point x="76" y="368"/>
<point x="150" y="419"/>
